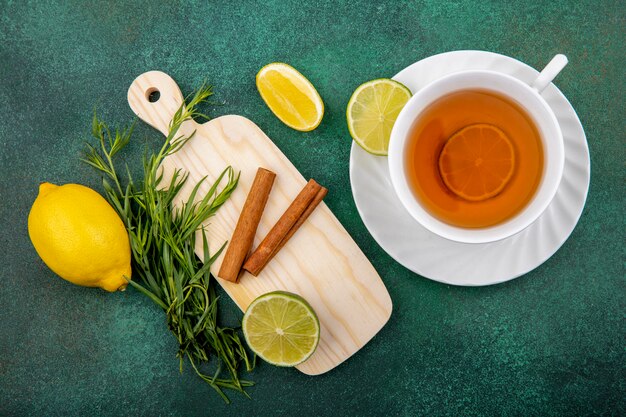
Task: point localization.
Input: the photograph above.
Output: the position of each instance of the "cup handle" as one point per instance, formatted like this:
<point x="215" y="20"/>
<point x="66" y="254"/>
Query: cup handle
<point x="549" y="72"/>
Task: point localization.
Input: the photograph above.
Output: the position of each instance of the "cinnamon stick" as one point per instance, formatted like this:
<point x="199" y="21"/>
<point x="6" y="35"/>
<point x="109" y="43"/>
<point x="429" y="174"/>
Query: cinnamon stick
<point x="249" y="219"/>
<point x="285" y="227"/>
<point x="314" y="203"/>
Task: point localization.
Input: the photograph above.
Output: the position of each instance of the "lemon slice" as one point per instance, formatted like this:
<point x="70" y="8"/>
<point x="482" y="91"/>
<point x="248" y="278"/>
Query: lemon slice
<point x="477" y="162"/>
<point x="372" y="111"/>
<point x="281" y="328"/>
<point x="290" y="96"/>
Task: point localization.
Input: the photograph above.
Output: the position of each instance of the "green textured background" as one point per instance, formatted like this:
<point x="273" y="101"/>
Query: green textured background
<point x="550" y="343"/>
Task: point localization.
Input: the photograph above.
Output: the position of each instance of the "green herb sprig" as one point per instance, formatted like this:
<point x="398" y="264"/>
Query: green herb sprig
<point x="162" y="239"/>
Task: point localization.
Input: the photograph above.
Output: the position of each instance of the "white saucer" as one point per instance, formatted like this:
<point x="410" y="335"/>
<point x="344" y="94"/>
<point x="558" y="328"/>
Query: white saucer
<point x="472" y="264"/>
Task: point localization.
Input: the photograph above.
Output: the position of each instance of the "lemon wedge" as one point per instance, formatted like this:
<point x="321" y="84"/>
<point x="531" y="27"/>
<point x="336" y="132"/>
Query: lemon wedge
<point x="290" y="96"/>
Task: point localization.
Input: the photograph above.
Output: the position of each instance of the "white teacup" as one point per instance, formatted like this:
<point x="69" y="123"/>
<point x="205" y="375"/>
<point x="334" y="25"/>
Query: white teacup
<point x="529" y="98"/>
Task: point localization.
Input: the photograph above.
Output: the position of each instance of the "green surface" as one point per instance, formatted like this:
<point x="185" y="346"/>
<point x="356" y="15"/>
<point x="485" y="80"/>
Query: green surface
<point x="550" y="343"/>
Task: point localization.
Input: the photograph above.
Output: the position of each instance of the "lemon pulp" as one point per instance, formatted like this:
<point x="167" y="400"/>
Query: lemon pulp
<point x="372" y="112"/>
<point x="281" y="328"/>
<point x="290" y="96"/>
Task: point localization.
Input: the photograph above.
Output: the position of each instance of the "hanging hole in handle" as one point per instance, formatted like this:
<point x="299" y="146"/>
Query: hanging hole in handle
<point x="153" y="95"/>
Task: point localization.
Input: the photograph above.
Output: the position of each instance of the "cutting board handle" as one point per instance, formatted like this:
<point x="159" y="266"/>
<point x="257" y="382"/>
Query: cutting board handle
<point x="154" y="96"/>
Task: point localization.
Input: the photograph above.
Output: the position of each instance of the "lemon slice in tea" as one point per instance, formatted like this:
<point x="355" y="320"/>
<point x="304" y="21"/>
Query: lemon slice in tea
<point x="372" y="111"/>
<point x="281" y="328"/>
<point x="290" y="96"/>
<point x="477" y="162"/>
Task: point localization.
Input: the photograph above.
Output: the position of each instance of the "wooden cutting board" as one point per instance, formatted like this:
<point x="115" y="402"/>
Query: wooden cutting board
<point x="321" y="262"/>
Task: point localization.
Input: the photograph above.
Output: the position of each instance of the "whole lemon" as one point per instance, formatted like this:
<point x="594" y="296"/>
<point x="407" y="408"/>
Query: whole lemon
<point x="80" y="237"/>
